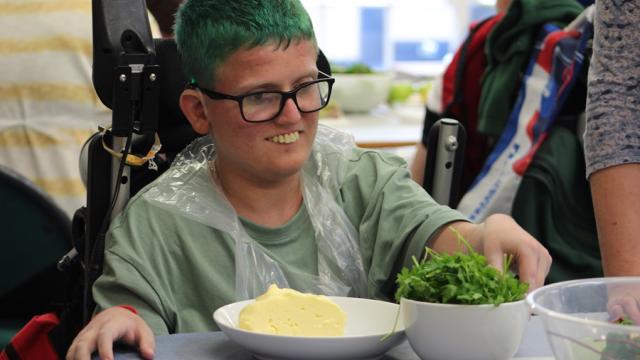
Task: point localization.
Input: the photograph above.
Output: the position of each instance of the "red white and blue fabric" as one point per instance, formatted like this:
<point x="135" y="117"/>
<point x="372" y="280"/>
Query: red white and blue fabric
<point x="556" y="62"/>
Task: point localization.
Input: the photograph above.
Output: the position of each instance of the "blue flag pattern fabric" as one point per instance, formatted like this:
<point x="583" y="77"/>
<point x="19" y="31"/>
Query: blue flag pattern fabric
<point x="555" y="64"/>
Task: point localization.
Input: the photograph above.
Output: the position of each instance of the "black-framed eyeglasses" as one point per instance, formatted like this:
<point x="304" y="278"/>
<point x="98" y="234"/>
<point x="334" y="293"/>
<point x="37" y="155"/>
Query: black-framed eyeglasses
<point x="262" y="106"/>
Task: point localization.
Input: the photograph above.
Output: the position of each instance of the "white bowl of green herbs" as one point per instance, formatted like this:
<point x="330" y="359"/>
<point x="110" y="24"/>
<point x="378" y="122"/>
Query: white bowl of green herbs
<point x="457" y="307"/>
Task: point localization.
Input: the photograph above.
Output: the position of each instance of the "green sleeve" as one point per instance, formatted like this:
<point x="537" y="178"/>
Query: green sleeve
<point x="134" y="246"/>
<point x="394" y="216"/>
<point x="122" y="284"/>
<point x="174" y="270"/>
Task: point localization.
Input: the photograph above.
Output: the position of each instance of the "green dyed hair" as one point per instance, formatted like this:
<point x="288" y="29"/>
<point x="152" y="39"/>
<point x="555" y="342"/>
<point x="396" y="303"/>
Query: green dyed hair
<point x="209" y="31"/>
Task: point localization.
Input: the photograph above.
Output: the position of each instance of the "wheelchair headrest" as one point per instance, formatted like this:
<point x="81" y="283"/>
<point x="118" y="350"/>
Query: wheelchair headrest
<point x="173" y="128"/>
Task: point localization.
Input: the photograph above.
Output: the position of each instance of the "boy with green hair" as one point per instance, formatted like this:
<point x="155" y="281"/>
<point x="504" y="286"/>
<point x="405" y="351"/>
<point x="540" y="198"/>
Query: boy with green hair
<point x="269" y="196"/>
<point x="208" y="32"/>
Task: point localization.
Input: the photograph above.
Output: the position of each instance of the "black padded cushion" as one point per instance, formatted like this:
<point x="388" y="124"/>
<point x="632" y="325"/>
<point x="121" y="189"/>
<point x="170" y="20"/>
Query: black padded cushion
<point x="35" y="235"/>
<point x="173" y="128"/>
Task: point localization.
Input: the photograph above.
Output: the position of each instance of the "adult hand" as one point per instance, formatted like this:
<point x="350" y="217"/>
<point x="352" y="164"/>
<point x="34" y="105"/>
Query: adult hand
<point x="500" y="235"/>
<point x="108" y="326"/>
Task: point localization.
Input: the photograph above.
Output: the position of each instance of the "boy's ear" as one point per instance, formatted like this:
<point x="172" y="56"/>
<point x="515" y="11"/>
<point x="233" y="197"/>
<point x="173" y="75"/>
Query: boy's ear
<point x="192" y="106"/>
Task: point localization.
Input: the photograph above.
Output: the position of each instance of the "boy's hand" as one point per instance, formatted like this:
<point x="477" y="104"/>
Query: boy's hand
<point x="111" y="325"/>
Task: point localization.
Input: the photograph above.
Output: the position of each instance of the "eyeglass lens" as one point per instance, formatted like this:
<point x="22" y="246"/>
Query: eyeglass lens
<point x="266" y="105"/>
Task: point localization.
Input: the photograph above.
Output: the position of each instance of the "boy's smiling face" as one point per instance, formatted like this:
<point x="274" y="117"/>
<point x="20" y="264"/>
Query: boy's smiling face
<point x="272" y="150"/>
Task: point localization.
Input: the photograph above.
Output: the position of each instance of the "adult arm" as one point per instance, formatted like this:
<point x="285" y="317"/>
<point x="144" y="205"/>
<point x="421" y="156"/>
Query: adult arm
<point x="612" y="136"/>
<point x="616" y="201"/>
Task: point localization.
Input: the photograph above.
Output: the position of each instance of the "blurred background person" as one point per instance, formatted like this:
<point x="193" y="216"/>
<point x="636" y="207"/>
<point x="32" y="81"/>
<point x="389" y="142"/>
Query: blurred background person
<point x="473" y="65"/>
<point x="480" y="85"/>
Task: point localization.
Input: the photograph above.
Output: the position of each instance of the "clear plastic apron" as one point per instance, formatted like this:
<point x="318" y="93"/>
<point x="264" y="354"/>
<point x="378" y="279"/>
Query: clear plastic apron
<point x="187" y="189"/>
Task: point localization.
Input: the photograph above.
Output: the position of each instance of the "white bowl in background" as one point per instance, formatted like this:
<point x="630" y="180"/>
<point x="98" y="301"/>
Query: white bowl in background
<point x="464" y="332"/>
<point x="368" y="321"/>
<point x="360" y="93"/>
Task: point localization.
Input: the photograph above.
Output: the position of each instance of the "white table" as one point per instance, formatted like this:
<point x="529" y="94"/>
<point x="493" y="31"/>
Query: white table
<point x="382" y="128"/>
<point x="216" y="346"/>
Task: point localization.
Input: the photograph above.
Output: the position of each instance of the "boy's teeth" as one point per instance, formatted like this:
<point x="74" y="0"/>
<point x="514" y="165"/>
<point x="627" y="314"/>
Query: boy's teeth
<point x="286" y="138"/>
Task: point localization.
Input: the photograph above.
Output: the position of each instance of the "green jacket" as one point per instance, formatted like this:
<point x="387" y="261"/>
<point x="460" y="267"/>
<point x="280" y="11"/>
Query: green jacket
<point x="508" y="49"/>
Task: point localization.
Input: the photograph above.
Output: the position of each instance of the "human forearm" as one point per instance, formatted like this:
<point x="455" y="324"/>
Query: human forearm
<point x="446" y="241"/>
<point x="474" y="234"/>
<point x="616" y="201"/>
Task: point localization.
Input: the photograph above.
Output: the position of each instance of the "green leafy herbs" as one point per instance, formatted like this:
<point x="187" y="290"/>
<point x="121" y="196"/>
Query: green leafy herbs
<point x="623" y="321"/>
<point x="622" y="346"/>
<point x="459" y="278"/>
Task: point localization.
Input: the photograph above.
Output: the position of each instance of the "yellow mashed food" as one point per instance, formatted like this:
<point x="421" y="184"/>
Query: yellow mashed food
<point x="290" y="312"/>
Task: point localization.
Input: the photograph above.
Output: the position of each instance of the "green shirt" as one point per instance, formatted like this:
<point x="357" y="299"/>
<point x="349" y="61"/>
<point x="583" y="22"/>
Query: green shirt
<point x="177" y="271"/>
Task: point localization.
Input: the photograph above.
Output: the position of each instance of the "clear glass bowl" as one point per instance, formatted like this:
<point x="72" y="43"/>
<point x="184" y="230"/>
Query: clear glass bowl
<point x="579" y="317"/>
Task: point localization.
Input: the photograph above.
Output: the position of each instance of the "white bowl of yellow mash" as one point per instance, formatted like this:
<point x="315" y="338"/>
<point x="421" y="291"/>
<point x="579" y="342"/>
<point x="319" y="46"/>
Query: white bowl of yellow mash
<point x="367" y="322"/>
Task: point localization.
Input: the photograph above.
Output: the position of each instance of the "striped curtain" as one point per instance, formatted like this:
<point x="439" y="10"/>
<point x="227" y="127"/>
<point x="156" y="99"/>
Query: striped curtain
<point x="48" y="107"/>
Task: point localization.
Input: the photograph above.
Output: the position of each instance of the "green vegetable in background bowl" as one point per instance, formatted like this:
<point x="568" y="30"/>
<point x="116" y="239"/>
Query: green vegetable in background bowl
<point x="622" y="346"/>
<point x="400" y="92"/>
<point x="357" y="68"/>
<point x="358" y="89"/>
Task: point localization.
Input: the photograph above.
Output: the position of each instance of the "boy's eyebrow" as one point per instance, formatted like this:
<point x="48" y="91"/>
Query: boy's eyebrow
<point x="275" y="86"/>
